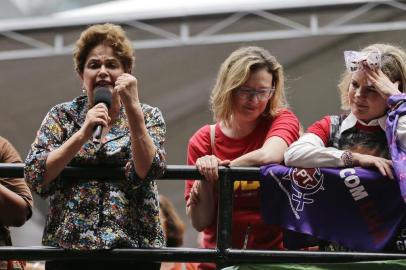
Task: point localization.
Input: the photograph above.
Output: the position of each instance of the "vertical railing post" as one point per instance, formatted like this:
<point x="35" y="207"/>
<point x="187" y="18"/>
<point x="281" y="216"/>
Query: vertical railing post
<point x="224" y="215"/>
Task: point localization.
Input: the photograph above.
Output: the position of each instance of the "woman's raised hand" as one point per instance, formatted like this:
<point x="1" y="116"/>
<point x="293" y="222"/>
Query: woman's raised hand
<point x="208" y="167"/>
<point x="126" y="86"/>
<point x="382" y="83"/>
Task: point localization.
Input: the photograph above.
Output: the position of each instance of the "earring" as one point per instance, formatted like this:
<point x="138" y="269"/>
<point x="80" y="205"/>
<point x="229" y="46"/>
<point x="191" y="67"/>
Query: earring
<point x="83" y="90"/>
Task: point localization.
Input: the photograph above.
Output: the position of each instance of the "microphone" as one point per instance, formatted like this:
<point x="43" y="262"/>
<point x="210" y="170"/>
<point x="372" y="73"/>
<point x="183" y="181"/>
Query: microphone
<point x="102" y="94"/>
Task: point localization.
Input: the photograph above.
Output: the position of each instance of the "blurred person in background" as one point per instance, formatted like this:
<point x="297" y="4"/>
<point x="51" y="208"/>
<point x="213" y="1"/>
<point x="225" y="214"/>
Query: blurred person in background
<point x="174" y="230"/>
<point x="15" y="202"/>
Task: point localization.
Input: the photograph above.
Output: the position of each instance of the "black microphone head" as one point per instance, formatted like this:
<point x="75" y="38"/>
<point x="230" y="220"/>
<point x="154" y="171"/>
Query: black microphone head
<point x="102" y="94"/>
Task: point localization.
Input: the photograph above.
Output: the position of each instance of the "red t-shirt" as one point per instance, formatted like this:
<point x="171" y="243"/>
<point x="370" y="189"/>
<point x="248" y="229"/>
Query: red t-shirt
<point x="321" y="128"/>
<point x="246" y="193"/>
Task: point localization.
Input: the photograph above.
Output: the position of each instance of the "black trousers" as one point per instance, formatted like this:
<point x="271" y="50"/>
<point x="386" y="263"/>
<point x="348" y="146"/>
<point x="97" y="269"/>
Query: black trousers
<point x="100" y="265"/>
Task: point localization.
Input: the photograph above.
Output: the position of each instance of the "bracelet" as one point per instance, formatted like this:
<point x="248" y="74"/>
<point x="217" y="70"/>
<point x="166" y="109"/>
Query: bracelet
<point x="347" y="158"/>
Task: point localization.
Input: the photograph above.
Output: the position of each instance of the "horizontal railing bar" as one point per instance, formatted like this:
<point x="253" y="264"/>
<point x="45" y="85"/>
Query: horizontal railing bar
<point x="173" y="172"/>
<point x="11" y="169"/>
<point x="160" y="254"/>
<point x="276" y="256"/>
<point x="193" y="255"/>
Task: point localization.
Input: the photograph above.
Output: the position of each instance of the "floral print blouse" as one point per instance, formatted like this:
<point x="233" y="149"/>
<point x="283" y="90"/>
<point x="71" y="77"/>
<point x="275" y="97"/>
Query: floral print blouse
<point x="98" y="214"/>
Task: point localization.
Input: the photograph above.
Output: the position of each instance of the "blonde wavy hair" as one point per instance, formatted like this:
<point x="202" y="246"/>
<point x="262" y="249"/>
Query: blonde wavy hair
<point x="108" y="34"/>
<point x="235" y="71"/>
<point x="393" y="65"/>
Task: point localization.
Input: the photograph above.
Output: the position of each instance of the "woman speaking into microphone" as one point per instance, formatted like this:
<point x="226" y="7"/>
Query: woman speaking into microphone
<point x="101" y="214"/>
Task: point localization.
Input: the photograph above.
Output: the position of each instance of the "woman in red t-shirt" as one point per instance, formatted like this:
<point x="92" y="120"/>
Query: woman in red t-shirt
<point x="253" y="127"/>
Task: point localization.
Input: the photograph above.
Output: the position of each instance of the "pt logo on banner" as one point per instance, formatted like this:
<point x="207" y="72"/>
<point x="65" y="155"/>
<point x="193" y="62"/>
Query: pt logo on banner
<point x="304" y="184"/>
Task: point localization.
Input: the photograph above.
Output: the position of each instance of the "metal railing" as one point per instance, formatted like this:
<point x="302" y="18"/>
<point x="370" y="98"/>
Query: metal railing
<point x="223" y="255"/>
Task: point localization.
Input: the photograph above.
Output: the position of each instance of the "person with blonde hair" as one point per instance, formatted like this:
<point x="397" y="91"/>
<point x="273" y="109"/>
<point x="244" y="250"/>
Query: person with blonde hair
<point x="91" y="214"/>
<point x="253" y="127"/>
<point x="371" y="88"/>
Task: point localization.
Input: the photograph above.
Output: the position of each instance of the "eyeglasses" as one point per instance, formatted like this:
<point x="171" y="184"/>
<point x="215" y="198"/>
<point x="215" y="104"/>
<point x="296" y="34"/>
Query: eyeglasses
<point x="248" y="93"/>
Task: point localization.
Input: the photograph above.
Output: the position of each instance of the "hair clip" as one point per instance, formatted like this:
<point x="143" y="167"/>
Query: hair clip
<point x="354" y="61"/>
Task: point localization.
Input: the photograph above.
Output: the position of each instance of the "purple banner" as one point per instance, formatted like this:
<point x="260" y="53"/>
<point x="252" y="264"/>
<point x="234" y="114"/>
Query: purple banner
<point x="397" y="153"/>
<point x="355" y="207"/>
